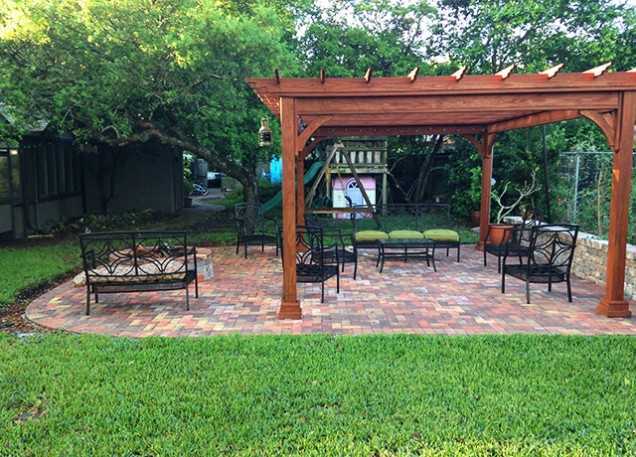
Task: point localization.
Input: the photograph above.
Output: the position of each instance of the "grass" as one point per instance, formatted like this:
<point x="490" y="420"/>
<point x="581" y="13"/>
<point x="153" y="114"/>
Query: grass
<point x="318" y="396"/>
<point x="30" y="264"/>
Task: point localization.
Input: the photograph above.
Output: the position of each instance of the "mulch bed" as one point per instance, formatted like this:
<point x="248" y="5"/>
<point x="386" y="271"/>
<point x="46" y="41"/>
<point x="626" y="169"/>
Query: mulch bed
<point x="12" y="318"/>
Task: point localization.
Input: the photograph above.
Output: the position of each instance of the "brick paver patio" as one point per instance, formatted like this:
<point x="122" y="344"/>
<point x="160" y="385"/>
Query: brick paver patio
<point x="244" y="295"/>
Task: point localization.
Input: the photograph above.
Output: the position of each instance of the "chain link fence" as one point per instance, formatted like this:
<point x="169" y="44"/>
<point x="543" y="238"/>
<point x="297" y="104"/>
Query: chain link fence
<point x="584" y="191"/>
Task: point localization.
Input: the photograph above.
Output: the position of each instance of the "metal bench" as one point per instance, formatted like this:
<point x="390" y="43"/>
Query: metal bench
<point x="122" y="262"/>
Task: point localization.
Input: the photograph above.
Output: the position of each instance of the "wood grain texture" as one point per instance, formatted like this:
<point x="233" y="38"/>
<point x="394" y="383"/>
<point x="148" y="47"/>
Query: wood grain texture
<point x="531" y="120"/>
<point x="396" y="130"/>
<point x="552" y="71"/>
<point x="613" y="303"/>
<point x="486" y="150"/>
<point x="290" y="305"/>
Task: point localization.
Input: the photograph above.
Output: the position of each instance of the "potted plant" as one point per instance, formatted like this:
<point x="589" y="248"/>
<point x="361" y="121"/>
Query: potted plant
<point x="475" y="217"/>
<point x="499" y="232"/>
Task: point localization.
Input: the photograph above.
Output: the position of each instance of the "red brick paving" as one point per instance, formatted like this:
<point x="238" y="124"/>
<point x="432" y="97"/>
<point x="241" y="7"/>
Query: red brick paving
<point x="244" y="295"/>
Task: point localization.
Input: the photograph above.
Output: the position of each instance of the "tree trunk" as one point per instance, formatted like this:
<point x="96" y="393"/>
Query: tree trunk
<point x="425" y="170"/>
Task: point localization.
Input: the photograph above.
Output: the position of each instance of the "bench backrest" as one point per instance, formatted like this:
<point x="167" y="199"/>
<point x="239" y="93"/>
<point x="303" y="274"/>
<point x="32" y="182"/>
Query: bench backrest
<point x="117" y="255"/>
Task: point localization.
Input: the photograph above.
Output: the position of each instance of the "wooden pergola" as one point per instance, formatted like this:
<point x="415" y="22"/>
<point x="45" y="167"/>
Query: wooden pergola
<point x="476" y="107"/>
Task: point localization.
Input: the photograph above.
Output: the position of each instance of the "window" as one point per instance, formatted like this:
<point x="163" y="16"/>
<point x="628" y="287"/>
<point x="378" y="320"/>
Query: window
<point x="9" y="176"/>
<point x="14" y="156"/>
<point x="58" y="170"/>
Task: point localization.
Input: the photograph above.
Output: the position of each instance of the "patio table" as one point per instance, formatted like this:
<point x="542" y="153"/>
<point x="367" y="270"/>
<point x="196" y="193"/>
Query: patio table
<point x="423" y="249"/>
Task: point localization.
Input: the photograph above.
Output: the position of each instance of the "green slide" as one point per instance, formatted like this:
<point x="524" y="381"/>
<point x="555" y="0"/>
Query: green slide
<point x="277" y="199"/>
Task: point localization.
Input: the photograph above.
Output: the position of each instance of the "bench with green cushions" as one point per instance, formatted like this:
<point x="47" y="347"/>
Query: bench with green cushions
<point x="441" y="235"/>
<point x="370" y="236"/>
<point x="444" y="238"/>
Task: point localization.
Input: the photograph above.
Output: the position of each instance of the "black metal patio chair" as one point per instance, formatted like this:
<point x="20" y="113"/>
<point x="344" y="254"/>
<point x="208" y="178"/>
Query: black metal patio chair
<point x="315" y="263"/>
<point x="550" y="257"/>
<point x="516" y="244"/>
<point x="263" y="232"/>
<point x="347" y="252"/>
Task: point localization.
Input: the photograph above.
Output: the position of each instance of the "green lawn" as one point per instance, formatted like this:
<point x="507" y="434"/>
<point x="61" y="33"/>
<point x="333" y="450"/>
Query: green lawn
<point x="28" y="265"/>
<point x="368" y="396"/>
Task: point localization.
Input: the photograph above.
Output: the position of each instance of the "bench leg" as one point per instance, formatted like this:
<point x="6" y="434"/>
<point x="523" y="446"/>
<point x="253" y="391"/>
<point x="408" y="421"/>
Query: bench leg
<point x="187" y="297"/>
<point x="355" y="267"/>
<point x="458" y="251"/>
<point x="96" y="298"/>
<point x="88" y="301"/>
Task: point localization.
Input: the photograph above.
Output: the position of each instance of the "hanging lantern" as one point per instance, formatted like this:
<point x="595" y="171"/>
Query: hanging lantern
<point x="264" y="133"/>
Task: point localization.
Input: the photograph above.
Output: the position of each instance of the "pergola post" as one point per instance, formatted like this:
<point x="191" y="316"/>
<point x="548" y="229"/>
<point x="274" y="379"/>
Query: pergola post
<point x="290" y="305"/>
<point x="613" y="303"/>
<point x="300" y="189"/>
<point x="484" y="209"/>
<point x="485" y="149"/>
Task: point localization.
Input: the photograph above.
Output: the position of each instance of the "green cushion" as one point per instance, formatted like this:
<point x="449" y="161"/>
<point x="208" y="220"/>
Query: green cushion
<point x="371" y="235"/>
<point x="405" y="235"/>
<point x="441" y="235"/>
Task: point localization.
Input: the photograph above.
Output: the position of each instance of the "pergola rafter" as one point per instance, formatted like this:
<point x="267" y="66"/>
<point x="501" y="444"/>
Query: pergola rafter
<point x="477" y="107"/>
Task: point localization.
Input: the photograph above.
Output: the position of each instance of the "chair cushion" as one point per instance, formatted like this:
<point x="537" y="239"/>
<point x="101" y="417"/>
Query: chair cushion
<point x="406" y="235"/>
<point x="441" y="235"/>
<point x="371" y="235"/>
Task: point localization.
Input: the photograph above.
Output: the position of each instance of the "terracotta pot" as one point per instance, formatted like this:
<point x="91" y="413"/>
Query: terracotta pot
<point x="499" y="233"/>
<point x="475" y="218"/>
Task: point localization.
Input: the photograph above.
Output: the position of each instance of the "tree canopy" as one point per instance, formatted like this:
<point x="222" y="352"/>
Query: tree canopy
<point x="132" y="70"/>
<point x="125" y="71"/>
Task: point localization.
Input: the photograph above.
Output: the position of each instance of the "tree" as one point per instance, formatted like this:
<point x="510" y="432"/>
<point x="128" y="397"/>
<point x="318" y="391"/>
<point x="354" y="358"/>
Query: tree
<point x="129" y="71"/>
<point x="349" y="36"/>
<point x="489" y="35"/>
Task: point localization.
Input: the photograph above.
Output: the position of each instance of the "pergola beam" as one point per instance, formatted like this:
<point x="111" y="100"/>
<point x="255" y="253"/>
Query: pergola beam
<point x="309" y="131"/>
<point x="546" y="117"/>
<point x="367" y="75"/>
<point x="534" y="83"/>
<point x="505" y="73"/>
<point x="552" y="71"/>
<point x="415" y="130"/>
<point x="598" y="71"/>
<point x="440" y="105"/>
<point x="459" y="74"/>
<point x="413" y="74"/>
<point x="605" y="122"/>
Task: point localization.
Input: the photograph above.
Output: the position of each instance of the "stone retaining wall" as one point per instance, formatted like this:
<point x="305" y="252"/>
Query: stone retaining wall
<point x="590" y="260"/>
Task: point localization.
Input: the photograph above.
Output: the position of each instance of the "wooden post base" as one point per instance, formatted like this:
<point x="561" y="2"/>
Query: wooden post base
<point x="613" y="308"/>
<point x="290" y="310"/>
